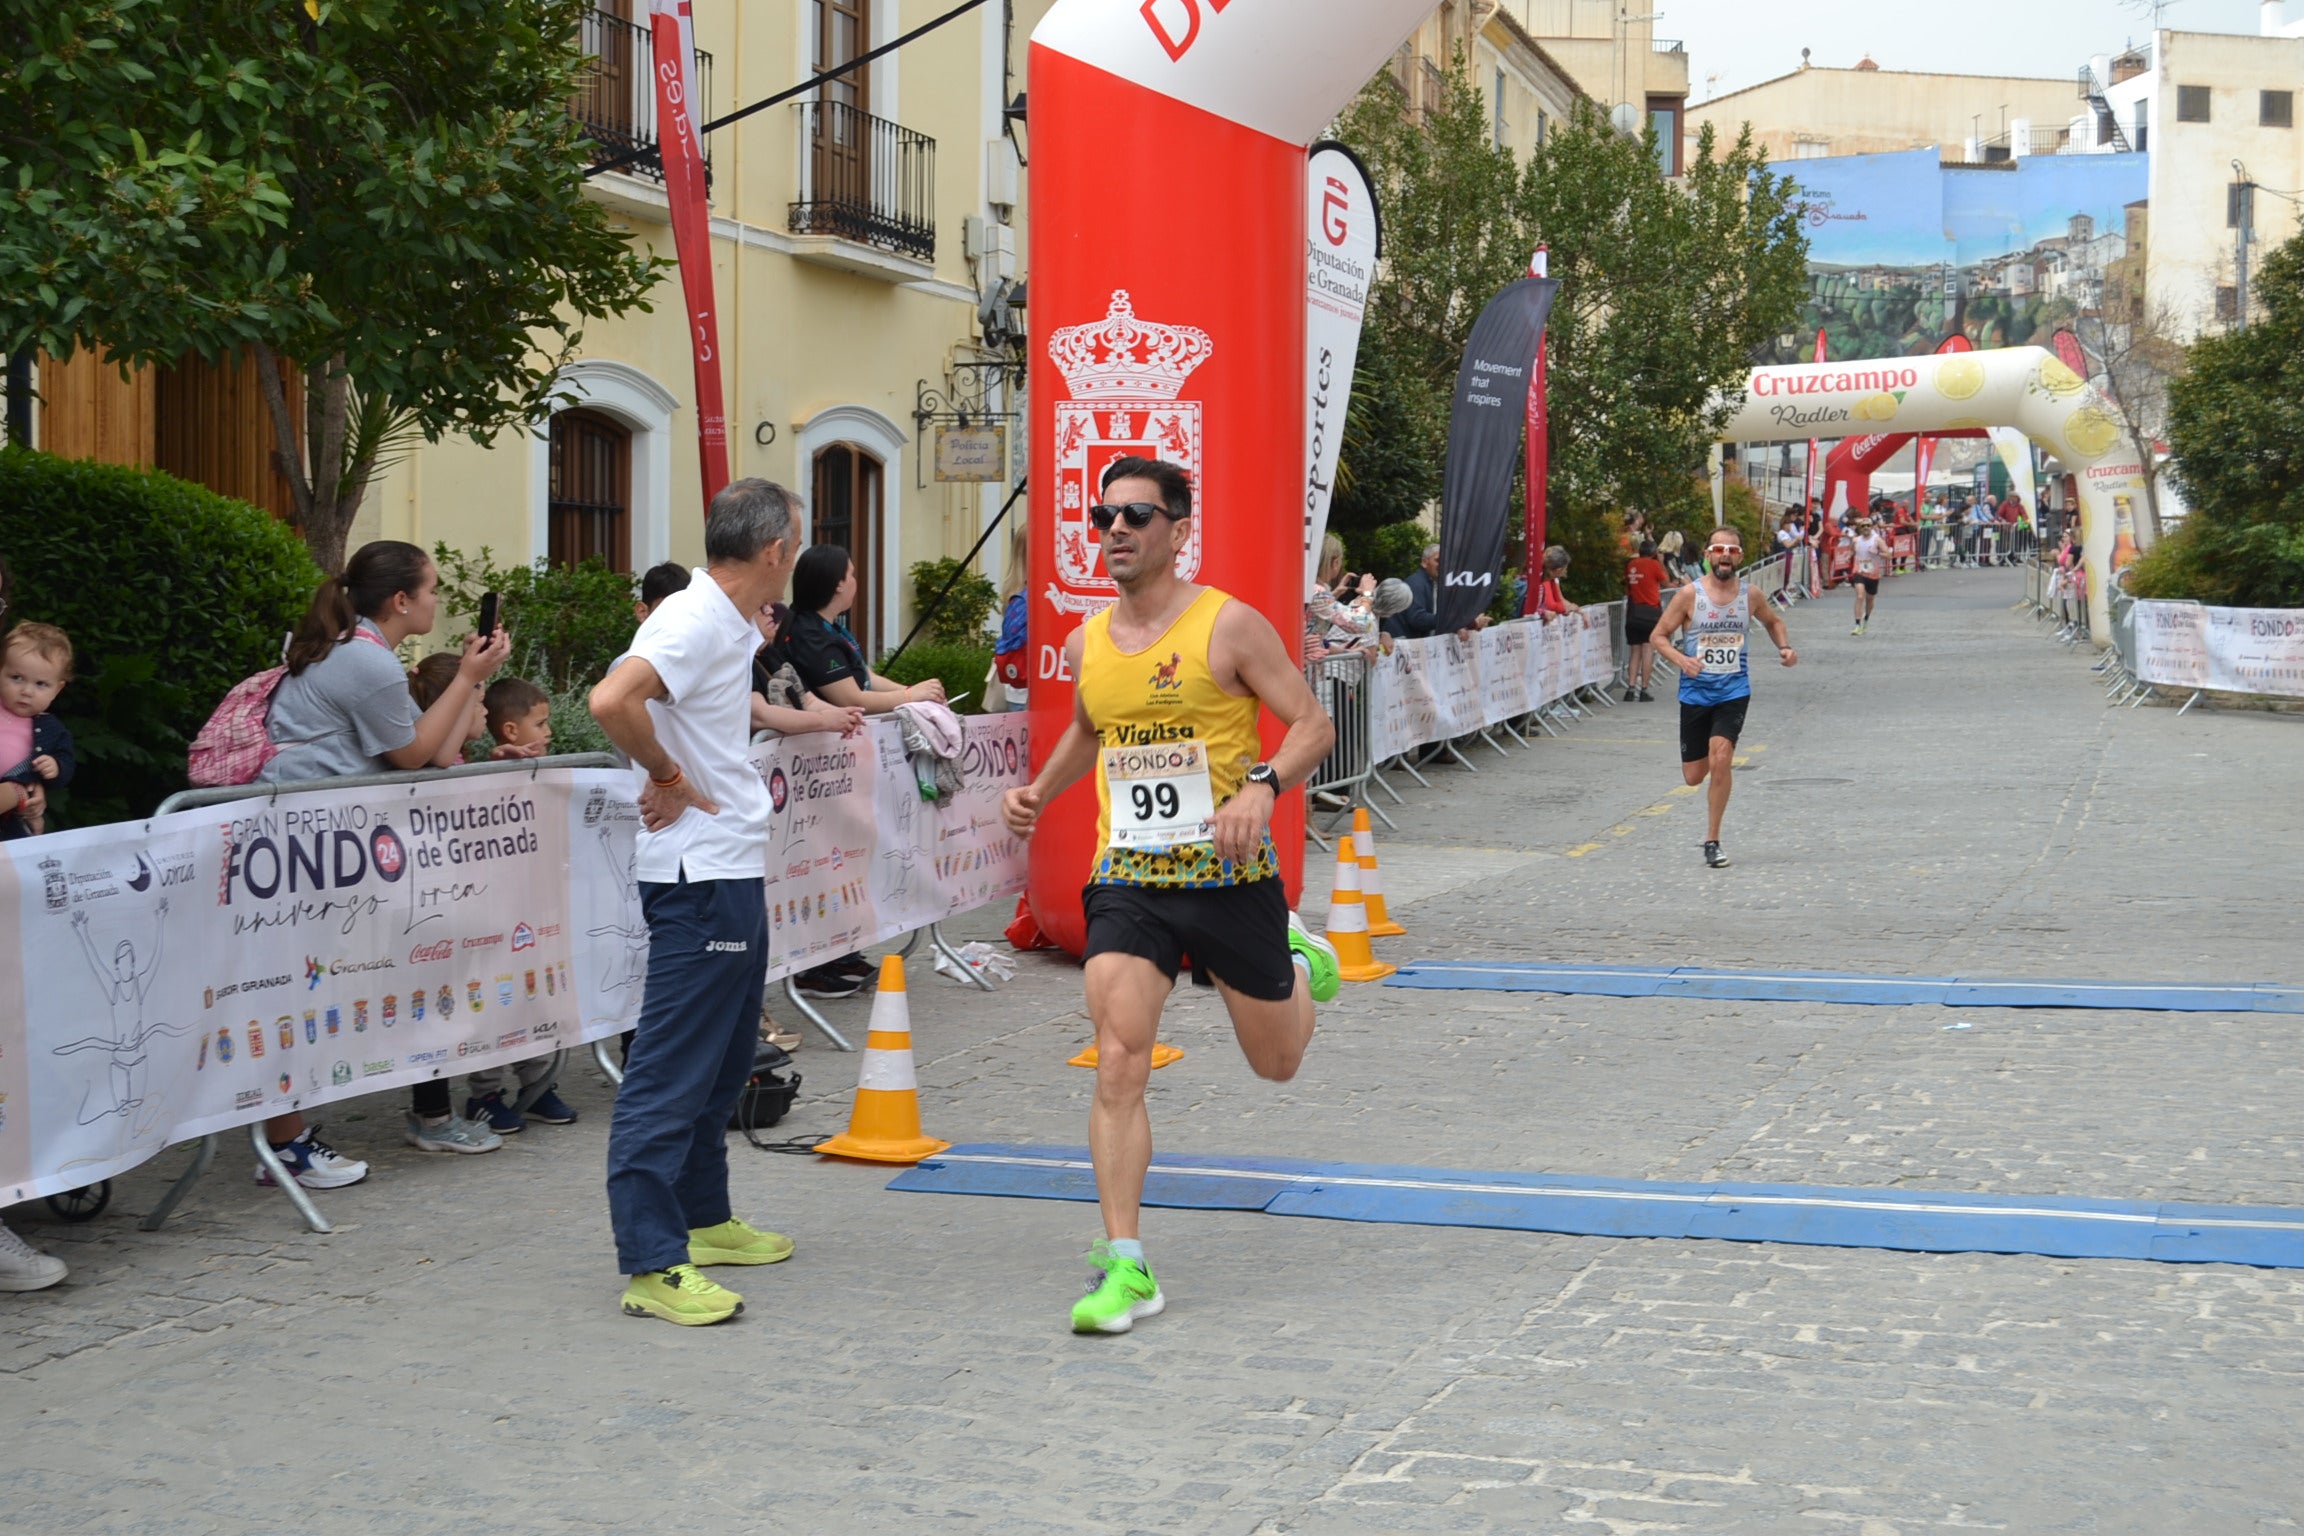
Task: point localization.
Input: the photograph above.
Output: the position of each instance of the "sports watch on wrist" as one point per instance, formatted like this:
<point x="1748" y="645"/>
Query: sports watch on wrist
<point x="1262" y="774"/>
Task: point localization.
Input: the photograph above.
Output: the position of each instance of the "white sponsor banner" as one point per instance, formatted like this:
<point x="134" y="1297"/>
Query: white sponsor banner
<point x="1433" y="689"/>
<point x="2229" y="650"/>
<point x="216" y="966"/>
<point x="1340" y="227"/>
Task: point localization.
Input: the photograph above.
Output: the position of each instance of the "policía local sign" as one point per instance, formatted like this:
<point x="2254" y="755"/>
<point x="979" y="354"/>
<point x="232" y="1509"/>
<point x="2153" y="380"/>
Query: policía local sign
<point x="971" y="453"/>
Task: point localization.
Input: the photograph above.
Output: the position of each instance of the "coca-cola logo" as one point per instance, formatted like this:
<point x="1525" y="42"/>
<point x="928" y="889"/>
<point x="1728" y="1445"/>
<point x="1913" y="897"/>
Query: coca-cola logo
<point x="444" y="950"/>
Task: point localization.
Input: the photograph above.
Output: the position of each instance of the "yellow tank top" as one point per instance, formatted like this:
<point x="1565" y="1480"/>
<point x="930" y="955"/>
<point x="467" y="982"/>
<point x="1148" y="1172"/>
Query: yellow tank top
<point x="1165" y="697"/>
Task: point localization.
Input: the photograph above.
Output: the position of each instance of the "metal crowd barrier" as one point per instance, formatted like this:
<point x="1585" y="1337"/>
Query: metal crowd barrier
<point x="1340" y="682"/>
<point x="194" y="799"/>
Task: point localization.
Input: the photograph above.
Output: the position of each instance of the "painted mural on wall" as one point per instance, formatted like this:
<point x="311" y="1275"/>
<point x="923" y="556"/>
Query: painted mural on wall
<point x="1904" y="250"/>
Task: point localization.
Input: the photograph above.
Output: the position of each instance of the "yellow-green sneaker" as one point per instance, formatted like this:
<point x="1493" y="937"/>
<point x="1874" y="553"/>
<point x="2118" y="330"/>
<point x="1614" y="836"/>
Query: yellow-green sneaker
<point x="680" y="1295"/>
<point x="737" y="1242"/>
<point x="1125" y="1293"/>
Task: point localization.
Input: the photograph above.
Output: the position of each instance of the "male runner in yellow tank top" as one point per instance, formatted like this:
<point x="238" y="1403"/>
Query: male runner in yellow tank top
<point x="1169" y="682"/>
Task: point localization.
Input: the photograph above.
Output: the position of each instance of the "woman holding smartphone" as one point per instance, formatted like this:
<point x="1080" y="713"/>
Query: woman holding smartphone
<point x="343" y="709"/>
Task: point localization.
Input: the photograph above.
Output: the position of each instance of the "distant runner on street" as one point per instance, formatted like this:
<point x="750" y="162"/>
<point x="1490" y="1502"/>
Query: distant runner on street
<point x="1871" y="565"/>
<point x="1717" y="612"/>
<point x="1172" y="678"/>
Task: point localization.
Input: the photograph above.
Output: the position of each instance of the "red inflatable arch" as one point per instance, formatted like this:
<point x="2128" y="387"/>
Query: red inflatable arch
<point x="1167" y="266"/>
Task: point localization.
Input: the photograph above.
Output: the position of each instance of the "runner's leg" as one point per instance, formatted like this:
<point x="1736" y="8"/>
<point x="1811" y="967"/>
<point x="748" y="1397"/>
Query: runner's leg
<point x="1272" y="1035"/>
<point x="1125" y="996"/>
<point x="1722" y="767"/>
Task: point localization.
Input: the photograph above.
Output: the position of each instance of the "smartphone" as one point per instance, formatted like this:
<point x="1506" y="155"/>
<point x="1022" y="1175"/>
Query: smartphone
<point x="955" y="701"/>
<point x="487" y="625"/>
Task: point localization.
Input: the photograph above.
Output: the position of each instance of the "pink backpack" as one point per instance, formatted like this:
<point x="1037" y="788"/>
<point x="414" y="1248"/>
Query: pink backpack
<point x="234" y="746"/>
<point x="236" y="743"/>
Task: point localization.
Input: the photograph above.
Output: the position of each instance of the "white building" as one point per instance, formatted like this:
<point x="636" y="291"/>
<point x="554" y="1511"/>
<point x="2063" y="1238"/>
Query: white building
<point x="2212" y="110"/>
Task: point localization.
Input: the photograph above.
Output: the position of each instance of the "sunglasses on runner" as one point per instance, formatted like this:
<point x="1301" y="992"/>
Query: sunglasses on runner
<point x="1137" y="514"/>
<point x="1722" y="549"/>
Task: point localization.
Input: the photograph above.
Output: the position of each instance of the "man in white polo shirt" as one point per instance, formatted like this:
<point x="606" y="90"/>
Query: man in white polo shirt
<point x="679" y="704"/>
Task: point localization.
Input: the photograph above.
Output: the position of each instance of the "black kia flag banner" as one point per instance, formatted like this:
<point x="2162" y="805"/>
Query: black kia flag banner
<point x="1484" y="429"/>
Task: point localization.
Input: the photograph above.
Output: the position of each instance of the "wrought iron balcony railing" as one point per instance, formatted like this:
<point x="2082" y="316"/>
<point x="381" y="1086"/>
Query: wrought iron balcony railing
<point x="617" y="101"/>
<point x="865" y="179"/>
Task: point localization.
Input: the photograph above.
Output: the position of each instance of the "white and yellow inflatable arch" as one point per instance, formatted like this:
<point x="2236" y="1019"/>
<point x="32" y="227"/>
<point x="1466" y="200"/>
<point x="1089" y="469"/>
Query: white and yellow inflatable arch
<point x="2027" y="388"/>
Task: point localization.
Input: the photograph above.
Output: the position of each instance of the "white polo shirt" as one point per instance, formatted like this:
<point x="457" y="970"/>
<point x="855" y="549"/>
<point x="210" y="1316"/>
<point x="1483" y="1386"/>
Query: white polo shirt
<point x="701" y="647"/>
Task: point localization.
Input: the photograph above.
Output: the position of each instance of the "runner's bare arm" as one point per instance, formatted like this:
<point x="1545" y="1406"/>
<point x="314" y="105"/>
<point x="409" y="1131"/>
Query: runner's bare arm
<point x="1247" y="655"/>
<point x="1773" y="622"/>
<point x="1075" y="754"/>
<point x="1675" y="619"/>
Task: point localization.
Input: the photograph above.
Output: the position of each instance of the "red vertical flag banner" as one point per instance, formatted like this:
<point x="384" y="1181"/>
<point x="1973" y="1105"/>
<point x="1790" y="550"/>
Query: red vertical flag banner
<point x="672" y="32"/>
<point x="1538" y="469"/>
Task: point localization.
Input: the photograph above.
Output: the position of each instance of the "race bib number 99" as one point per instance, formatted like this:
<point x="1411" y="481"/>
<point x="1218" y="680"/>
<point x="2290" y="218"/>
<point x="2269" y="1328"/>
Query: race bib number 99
<point x="1160" y="794"/>
<point x="1720" y="654"/>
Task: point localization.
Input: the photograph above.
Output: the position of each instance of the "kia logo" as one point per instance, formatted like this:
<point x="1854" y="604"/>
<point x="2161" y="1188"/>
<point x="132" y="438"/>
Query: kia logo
<point x="1467" y="579"/>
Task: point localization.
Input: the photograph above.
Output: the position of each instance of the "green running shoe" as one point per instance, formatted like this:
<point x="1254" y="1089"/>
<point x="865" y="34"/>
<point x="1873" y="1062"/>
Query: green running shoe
<point x="680" y="1295"/>
<point x="1126" y="1293"/>
<point x="737" y="1242"/>
<point x="1319" y="957"/>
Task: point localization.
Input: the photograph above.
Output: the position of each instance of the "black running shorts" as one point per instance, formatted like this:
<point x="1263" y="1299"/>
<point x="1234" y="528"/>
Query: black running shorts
<point x="1871" y="584"/>
<point x="1700" y="724"/>
<point x="1640" y="623"/>
<point x="1237" y="934"/>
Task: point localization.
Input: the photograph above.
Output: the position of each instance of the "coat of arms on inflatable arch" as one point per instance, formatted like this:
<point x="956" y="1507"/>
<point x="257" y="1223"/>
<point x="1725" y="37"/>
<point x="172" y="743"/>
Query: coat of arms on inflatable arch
<point x="1123" y="376"/>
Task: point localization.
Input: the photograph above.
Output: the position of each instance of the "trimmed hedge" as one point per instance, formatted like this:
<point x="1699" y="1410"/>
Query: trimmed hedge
<point x="962" y="668"/>
<point x="171" y="594"/>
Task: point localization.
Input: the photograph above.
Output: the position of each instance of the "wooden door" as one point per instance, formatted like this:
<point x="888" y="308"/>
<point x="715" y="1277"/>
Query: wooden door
<point x="847" y="513"/>
<point x="841" y="148"/>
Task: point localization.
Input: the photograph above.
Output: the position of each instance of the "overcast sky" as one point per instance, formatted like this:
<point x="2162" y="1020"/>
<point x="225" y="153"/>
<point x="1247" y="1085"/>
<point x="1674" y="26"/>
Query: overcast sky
<point x="1744" y="43"/>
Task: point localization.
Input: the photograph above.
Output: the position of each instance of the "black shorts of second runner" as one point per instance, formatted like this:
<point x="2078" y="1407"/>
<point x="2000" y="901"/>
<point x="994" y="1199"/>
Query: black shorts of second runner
<point x="1870" y="584"/>
<point x="1237" y="934"/>
<point x="1640" y="622"/>
<point x="1699" y="723"/>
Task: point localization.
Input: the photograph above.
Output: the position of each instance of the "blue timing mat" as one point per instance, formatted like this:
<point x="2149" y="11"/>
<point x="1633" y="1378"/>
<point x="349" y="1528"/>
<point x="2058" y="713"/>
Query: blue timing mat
<point x="1841" y="987"/>
<point x="2054" y="1225"/>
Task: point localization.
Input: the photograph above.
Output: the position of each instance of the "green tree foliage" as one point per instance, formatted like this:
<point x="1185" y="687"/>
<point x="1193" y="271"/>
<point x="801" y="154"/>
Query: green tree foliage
<point x="961" y="617"/>
<point x="1668" y="292"/>
<point x="387" y="192"/>
<point x="2239" y="452"/>
<point x="960" y="664"/>
<point x="171" y="594"/>
<point x="567" y="622"/>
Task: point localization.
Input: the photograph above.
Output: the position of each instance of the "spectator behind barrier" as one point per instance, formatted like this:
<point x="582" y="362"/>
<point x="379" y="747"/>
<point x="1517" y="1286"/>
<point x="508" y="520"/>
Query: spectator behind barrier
<point x="1422" y="615"/>
<point x="1337" y="614"/>
<point x="660" y="583"/>
<point x="827" y="657"/>
<point x="22" y="1266"/>
<point x="35" y="749"/>
<point x="779" y="703"/>
<point x="345" y="708"/>
<point x="519" y="717"/>
<point x="1550" y="600"/>
<point x="1668" y="549"/>
<point x="427" y="681"/>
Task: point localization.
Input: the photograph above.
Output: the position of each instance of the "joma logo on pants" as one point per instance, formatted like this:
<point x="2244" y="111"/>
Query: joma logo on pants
<point x="728" y="947"/>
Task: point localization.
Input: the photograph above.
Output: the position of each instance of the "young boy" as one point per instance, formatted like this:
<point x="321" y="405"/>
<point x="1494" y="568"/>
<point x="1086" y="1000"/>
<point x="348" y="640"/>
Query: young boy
<point x="660" y="583"/>
<point x="35" y="749"/>
<point x="519" y="718"/>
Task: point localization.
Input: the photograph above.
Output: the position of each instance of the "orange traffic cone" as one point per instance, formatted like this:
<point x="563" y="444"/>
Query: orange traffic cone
<point x="1162" y="1054"/>
<point x="1348" y="921"/>
<point x="884" y="1127"/>
<point x="1380" y="924"/>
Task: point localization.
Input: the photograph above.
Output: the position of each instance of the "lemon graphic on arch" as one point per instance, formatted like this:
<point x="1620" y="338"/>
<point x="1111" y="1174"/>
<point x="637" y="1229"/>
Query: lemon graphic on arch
<point x="2059" y="380"/>
<point x="1879" y="407"/>
<point x="1959" y="378"/>
<point x="2090" y="433"/>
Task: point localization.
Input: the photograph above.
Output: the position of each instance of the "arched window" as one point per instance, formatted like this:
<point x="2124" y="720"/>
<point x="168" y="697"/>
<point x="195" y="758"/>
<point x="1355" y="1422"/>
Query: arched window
<point x="589" y="505"/>
<point x="847" y="513"/>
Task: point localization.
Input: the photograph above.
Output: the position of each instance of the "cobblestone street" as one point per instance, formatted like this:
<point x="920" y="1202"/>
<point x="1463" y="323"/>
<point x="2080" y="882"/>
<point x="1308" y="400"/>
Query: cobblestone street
<point x="1946" y="794"/>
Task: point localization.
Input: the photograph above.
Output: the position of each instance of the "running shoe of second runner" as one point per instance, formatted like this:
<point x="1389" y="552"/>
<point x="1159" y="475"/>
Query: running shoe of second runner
<point x="1714" y="857"/>
<point x="1124" y="1292"/>
<point x="1317" y="956"/>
